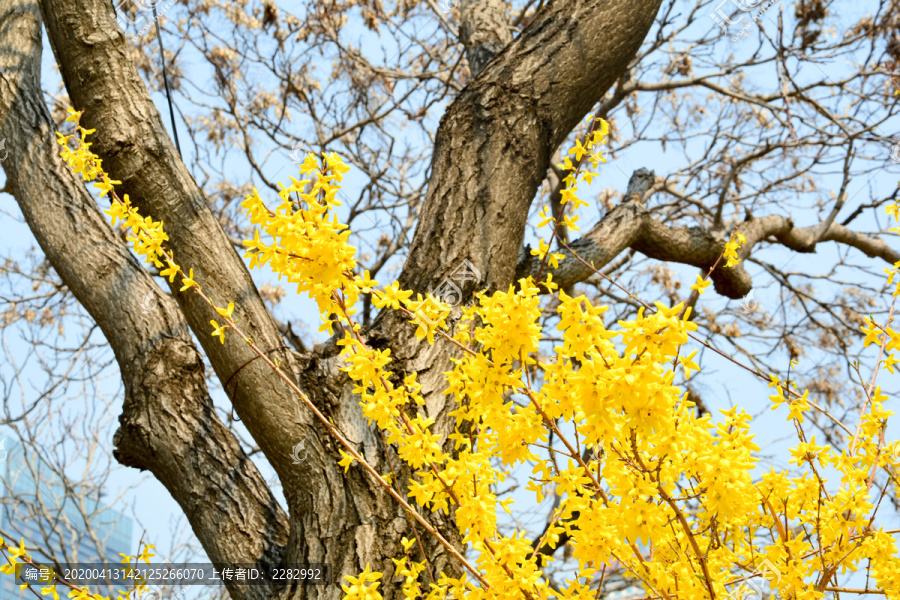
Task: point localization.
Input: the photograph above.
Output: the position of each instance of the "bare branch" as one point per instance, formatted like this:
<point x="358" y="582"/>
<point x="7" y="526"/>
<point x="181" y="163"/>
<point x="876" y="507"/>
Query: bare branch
<point x="630" y="225"/>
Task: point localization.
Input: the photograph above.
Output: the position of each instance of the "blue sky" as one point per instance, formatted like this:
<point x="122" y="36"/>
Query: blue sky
<point x="722" y="384"/>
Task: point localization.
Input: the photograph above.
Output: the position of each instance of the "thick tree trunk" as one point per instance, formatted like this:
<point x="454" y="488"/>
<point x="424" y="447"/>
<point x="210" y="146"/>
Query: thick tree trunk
<point x="168" y="424"/>
<point x="341" y="519"/>
<point x="492" y="151"/>
<point x="494" y="144"/>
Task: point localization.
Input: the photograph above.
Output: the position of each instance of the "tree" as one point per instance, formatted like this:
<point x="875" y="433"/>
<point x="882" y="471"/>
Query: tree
<point x="528" y="77"/>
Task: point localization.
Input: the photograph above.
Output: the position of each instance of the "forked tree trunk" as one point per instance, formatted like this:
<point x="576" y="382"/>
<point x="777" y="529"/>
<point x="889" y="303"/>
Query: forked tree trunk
<point x="491" y="153"/>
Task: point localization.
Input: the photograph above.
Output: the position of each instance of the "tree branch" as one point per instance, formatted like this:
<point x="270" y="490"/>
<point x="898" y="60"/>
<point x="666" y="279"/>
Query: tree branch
<point x="494" y="144"/>
<point x="100" y="76"/>
<point x="629" y="225"/>
<point x="484" y="31"/>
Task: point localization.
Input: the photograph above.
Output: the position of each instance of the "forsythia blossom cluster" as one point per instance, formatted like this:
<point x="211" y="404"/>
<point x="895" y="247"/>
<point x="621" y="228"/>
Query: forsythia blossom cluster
<point x="660" y="475"/>
<point x="731" y="248"/>
<point x="583" y="152"/>
<point x="147" y="236"/>
<point x="645" y="483"/>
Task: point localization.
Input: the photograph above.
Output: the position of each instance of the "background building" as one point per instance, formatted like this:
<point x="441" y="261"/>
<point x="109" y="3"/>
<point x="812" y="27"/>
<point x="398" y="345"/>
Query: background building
<point x="71" y="525"/>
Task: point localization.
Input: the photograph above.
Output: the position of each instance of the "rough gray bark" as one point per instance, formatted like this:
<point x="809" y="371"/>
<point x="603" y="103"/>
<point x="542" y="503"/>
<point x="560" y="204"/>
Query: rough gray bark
<point x="492" y="151"/>
<point x="494" y="144"/>
<point x="168" y="424"/>
<point x="484" y="31"/>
